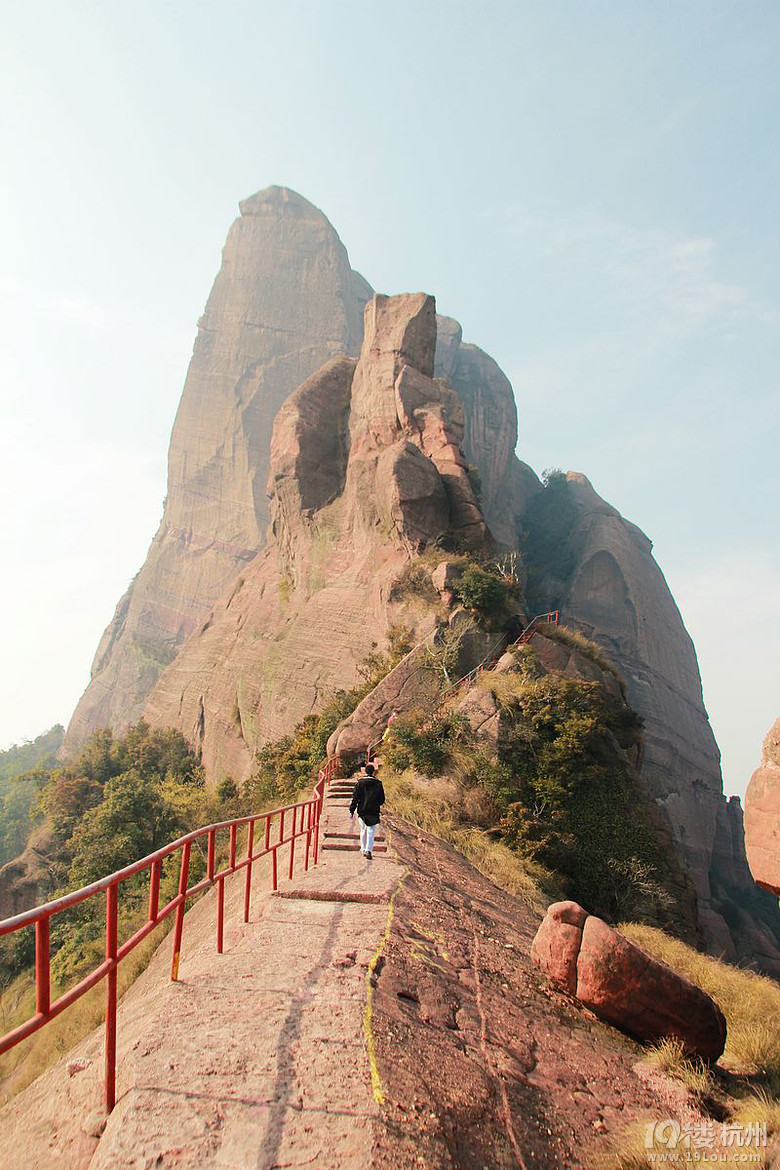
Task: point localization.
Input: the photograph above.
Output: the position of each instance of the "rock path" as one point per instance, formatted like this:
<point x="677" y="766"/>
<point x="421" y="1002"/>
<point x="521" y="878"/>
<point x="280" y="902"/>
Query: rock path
<point x="256" y="1058"/>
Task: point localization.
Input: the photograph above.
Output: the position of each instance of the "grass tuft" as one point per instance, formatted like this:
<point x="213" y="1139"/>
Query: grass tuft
<point x="750" y="1002"/>
<point x="448" y="809"/>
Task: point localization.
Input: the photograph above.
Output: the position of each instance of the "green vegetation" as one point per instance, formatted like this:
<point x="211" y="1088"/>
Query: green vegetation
<point x="23" y="770"/>
<point x="457" y="812"/>
<point x="426" y="747"/>
<point x="560" y="791"/>
<point x="119" y="799"/>
<point x="481" y="590"/>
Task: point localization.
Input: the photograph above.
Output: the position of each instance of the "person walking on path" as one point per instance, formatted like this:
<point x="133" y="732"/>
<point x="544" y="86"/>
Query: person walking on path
<point x="368" y="796"/>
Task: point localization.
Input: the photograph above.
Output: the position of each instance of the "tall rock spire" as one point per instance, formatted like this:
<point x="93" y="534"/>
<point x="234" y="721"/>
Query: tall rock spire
<point x="285" y="301"/>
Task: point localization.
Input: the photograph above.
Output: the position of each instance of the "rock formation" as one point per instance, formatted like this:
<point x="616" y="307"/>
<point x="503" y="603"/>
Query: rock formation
<point x="366" y="470"/>
<point x="367" y="464"/>
<point x="624" y="985"/>
<point x="601" y="573"/>
<point x="490" y="432"/>
<point x="762" y="815"/>
<point x="285" y="300"/>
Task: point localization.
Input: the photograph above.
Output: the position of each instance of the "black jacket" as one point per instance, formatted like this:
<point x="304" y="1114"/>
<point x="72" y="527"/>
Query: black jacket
<point x="367" y="798"/>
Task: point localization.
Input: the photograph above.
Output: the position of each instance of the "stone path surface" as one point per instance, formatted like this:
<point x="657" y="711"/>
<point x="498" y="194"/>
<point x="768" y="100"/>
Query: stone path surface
<point x="255" y="1058"/>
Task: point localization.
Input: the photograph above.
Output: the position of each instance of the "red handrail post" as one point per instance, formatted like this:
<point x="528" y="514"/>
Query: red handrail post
<point x="267" y="834"/>
<point x="309" y="810"/>
<point x="317" y="814"/>
<point x="154" y="891"/>
<point x="292" y="842"/>
<point x="211" y="854"/>
<point x="250" y="841"/>
<point x="232" y="854"/>
<point x="111" y="995"/>
<point x="281" y="825"/>
<point x="42" y="968"/>
<point x="220" y="913"/>
<point x="182" y="906"/>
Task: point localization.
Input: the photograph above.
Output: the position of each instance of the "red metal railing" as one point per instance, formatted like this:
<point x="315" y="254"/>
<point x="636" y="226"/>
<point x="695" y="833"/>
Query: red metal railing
<point x="285" y="825"/>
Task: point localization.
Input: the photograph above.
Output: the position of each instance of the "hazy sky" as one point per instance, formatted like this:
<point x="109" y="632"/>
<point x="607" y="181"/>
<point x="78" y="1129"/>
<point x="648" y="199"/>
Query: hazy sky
<point x="591" y="188"/>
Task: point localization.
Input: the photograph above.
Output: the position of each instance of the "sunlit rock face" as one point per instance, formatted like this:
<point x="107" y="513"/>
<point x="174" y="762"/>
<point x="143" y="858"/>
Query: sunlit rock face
<point x="367" y="470"/>
<point x="285" y="301"/>
<point x="762" y="815"/>
<point x="370" y="460"/>
<point x="603" y="576"/>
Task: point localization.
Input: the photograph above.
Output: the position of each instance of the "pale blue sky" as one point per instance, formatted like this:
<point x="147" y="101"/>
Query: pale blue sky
<point x="589" y="187"/>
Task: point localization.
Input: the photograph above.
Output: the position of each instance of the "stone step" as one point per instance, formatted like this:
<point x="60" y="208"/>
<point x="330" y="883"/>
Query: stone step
<point x="354" y="836"/>
<point x="347" y="847"/>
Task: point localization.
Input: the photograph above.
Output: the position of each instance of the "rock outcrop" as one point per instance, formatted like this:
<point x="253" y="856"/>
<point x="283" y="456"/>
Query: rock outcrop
<point x="285" y="301"/>
<point x="624" y="985"/>
<point x="490" y="432"/>
<point x="366" y="470"/>
<point x="370" y="463"/>
<point x="762" y="815"/>
<point x="607" y="583"/>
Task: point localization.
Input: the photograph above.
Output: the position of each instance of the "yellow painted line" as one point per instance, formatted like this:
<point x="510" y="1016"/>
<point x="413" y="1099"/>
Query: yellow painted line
<point x="368" y="1013"/>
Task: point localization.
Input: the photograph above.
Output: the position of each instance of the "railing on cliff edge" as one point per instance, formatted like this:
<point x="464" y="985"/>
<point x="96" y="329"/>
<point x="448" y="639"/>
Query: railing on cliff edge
<point x="550" y="618"/>
<point x="305" y="822"/>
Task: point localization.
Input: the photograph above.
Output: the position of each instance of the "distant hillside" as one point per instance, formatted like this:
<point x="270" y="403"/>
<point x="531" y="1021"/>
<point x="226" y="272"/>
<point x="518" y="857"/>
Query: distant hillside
<point x="17" y="791"/>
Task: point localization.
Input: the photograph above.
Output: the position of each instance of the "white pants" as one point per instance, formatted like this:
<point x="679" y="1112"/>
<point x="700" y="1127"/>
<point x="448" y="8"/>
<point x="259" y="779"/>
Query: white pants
<point x="366" y="836"/>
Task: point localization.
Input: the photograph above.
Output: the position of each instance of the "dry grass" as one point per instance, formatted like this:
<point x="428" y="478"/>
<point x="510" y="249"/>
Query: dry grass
<point x="505" y="687"/>
<point x="669" y="1057"/>
<point x="751" y="1005"/>
<point x="750" y="1002"/>
<point x="577" y="641"/>
<point x="630" y="1152"/>
<point x="448" y="810"/>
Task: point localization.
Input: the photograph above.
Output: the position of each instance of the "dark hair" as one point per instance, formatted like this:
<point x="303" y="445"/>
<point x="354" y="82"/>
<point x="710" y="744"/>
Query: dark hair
<point x="370" y="769"/>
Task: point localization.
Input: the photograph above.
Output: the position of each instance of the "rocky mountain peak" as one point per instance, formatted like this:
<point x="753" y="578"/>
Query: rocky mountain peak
<point x="366" y="468"/>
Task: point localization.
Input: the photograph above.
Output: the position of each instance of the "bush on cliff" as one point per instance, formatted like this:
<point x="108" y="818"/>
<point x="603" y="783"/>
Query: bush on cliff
<point x="481" y="590"/>
<point x="562" y="792"/>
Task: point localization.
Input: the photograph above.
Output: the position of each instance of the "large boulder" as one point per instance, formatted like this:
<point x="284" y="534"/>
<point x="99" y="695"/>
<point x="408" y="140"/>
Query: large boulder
<point x="762" y="815"/>
<point x="624" y="985"/>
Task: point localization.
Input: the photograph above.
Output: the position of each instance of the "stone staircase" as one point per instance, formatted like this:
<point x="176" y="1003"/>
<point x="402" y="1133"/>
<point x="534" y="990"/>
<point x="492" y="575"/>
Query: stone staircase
<point x="346" y="839"/>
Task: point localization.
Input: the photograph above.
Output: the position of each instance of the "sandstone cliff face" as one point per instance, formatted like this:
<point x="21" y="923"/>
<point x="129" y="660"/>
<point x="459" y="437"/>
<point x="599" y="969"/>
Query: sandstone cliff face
<point x="366" y="469"/>
<point x="285" y="301"/>
<point x="762" y="815"/>
<point x="608" y="584"/>
<point x="490" y="432"/>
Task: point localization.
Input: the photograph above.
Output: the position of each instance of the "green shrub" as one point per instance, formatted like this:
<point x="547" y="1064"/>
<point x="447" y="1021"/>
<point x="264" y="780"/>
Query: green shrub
<point x="423" y="744"/>
<point x="478" y="589"/>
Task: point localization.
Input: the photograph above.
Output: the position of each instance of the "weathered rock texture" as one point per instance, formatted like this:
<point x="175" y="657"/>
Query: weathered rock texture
<point x="285" y="301"/>
<point x="762" y="815"/>
<point x="605" y="580"/>
<point x="366" y="470"/>
<point x="367" y="465"/>
<point x="490" y="432"/>
<point x="624" y="985"/>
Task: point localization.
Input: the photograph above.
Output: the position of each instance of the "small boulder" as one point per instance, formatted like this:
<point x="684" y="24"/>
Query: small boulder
<point x="623" y="985"/>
